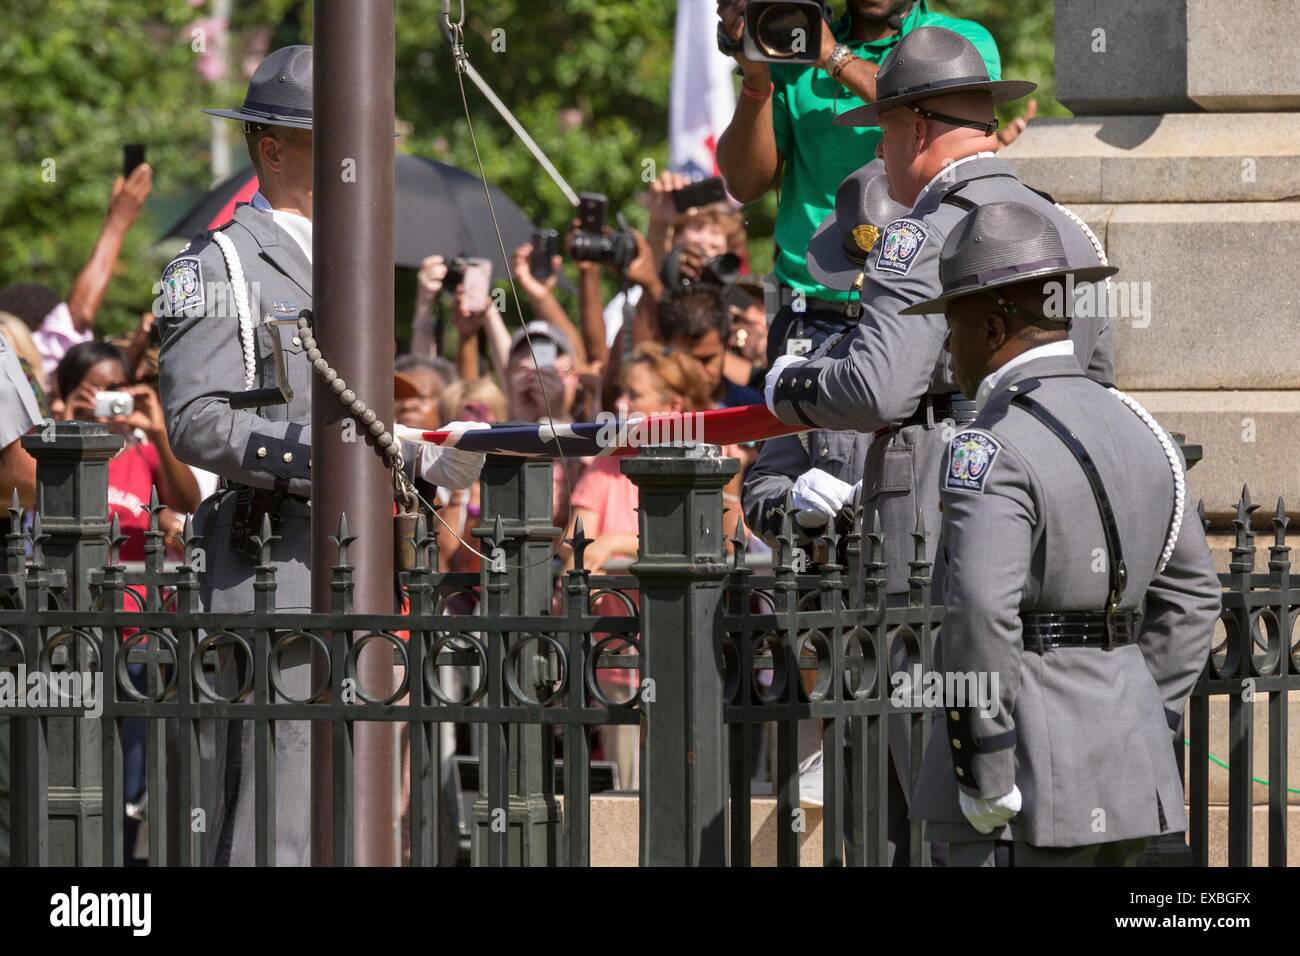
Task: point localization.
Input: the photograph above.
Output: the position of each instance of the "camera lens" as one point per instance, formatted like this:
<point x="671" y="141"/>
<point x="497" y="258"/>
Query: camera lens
<point x="777" y="28"/>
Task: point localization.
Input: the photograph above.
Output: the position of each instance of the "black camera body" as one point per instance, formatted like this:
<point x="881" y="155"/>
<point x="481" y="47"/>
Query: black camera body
<point x="720" y="272"/>
<point x="455" y="274"/>
<point x="779" y="31"/>
<point x="592" y="243"/>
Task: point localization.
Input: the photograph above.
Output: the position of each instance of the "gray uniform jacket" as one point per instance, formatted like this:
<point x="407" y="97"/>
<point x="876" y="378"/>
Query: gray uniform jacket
<point x="201" y="362"/>
<point x="782" y="460"/>
<point x="1084" y="732"/>
<point x="879" y="374"/>
<point x="18" y="408"/>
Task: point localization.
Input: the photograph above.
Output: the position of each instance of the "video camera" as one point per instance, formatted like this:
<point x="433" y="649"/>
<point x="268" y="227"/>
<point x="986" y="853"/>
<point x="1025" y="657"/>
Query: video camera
<point x="592" y="243"/>
<point x="778" y="31"/>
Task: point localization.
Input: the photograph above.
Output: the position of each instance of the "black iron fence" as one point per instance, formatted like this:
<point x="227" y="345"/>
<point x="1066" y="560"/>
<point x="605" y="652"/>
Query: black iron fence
<point x="708" y="659"/>
<point x="1256" y="657"/>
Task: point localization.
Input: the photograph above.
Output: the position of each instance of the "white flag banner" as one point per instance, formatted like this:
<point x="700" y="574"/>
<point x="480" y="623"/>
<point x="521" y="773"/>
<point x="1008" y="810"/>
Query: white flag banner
<point x="703" y="95"/>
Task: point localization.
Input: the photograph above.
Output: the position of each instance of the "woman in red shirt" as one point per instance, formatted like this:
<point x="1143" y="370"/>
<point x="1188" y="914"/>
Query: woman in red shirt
<point x="146" y="458"/>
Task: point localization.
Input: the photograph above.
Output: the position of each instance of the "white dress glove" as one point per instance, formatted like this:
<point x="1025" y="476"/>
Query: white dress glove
<point x="987" y="815"/>
<point x="818" y="497"/>
<point x="774" y="373"/>
<point x="449" y="467"/>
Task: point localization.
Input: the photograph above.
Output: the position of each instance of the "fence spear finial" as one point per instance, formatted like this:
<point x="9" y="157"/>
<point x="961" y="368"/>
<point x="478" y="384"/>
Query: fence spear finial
<point x="342" y="539"/>
<point x="115" y="540"/>
<point x="739" y="541"/>
<point x="264" y="541"/>
<point x="578" y="543"/>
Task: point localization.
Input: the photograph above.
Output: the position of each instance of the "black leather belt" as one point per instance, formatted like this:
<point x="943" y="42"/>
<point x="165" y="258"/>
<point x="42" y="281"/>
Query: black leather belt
<point x="936" y="408"/>
<point x="1044" y="630"/>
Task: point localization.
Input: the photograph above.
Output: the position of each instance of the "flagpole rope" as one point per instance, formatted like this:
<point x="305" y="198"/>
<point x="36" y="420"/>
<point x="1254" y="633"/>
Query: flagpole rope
<point x="461" y="59"/>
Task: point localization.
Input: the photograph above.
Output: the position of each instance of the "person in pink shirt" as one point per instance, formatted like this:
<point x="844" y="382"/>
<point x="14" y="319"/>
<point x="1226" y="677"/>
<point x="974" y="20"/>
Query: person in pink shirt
<point x="656" y="380"/>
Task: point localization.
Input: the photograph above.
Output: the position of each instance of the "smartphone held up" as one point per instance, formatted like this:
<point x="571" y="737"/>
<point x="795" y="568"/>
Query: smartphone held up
<point x="132" y="156"/>
<point x="475" y="275"/>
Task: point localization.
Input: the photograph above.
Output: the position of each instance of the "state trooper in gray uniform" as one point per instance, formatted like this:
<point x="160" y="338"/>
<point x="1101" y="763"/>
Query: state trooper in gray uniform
<point x="889" y="374"/>
<point x="935" y="107"/>
<point x="821" y="471"/>
<point x="1075" y="576"/>
<point x="222" y="297"/>
<point x="823" y="468"/>
<point x="19" y="414"/>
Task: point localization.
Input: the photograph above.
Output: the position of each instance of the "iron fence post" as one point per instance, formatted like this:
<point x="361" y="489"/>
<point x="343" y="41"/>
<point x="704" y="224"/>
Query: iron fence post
<point x="518" y="491"/>
<point x="72" y="475"/>
<point x="681" y="573"/>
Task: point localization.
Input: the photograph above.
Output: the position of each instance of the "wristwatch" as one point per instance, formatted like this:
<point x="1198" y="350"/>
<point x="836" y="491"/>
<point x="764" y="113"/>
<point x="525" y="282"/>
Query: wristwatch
<point x="839" y="58"/>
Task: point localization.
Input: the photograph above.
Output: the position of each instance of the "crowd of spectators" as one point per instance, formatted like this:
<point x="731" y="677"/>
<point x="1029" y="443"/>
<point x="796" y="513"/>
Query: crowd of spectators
<point x="681" y="327"/>
<point x="674" y="337"/>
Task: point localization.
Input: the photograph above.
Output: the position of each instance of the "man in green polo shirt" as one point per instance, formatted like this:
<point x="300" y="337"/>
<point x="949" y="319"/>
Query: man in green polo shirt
<point x="783" y="134"/>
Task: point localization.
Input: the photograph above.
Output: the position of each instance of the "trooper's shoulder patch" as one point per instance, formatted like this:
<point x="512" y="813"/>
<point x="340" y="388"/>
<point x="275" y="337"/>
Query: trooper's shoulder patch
<point x="899" y="245"/>
<point x="970" y="459"/>
<point x="182" y="284"/>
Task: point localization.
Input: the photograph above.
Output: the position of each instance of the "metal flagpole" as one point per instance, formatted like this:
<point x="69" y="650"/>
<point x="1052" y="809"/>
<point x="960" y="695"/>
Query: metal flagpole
<point x="352" y="279"/>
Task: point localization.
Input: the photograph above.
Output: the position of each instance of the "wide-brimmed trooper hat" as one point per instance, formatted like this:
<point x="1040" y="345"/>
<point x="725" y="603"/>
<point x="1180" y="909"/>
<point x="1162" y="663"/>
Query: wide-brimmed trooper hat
<point x="1002" y="244"/>
<point x="838" y="249"/>
<point x="279" y="94"/>
<point x="931" y="61"/>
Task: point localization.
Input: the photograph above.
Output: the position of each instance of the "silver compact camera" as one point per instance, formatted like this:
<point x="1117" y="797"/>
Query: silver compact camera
<point x="113" y="404"/>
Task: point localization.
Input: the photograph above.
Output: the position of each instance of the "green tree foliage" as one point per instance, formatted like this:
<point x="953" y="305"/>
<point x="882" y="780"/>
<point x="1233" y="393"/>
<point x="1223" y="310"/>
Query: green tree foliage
<point x="588" y="78"/>
<point x="79" y="79"/>
<point x="1023" y="29"/>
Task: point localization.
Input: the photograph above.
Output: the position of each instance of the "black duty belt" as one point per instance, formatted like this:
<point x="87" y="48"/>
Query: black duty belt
<point x="1113" y="620"/>
<point x="1044" y="630"/>
<point x="254" y="504"/>
<point x="935" y="408"/>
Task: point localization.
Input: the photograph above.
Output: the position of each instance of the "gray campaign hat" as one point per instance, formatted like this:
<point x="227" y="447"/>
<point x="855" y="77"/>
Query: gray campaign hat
<point x="1002" y="244"/>
<point x="838" y="249"/>
<point x="931" y="61"/>
<point x="279" y="94"/>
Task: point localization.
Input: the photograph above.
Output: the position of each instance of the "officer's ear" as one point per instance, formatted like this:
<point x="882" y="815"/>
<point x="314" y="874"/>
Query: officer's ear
<point x="271" y="151"/>
<point x="996" y="330"/>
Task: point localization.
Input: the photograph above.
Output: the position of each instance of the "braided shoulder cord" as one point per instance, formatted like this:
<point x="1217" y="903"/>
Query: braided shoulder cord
<point x="1166" y="443"/>
<point x="1176" y="466"/>
<point x="240" y="290"/>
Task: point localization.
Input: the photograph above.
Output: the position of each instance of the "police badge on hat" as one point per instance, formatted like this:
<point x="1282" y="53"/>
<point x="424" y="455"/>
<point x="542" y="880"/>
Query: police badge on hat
<point x="902" y="240"/>
<point x="970" y="459"/>
<point x="182" y="284"/>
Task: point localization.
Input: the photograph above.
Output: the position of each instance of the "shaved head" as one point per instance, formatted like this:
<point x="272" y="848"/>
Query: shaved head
<point x="916" y="148"/>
